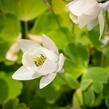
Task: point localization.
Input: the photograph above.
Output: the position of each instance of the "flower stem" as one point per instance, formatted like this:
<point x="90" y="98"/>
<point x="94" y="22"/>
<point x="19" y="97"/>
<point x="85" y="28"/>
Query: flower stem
<point x="102" y="60"/>
<point x="24" y="29"/>
<point x="107" y="20"/>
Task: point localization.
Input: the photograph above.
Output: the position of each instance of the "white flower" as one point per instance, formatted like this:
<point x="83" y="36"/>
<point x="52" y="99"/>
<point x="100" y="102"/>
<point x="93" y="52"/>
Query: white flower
<point x="88" y="12"/>
<point x="39" y="61"/>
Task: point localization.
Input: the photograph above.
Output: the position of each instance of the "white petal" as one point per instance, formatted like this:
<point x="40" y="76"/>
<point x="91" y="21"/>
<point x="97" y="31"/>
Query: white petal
<point x="48" y="43"/>
<point x="91" y="9"/>
<point x="61" y="62"/>
<point x="47" y="80"/>
<point x="12" y="52"/>
<point x="48" y="67"/>
<point x="105" y="6"/>
<point x="28" y="56"/>
<point x="34" y="51"/>
<point x="23" y="74"/>
<point x="36" y="75"/>
<point x="49" y="54"/>
<point x="35" y="38"/>
<point x="79" y="7"/>
<point x="101" y="23"/>
<point x="84" y="20"/>
<point x="28" y="62"/>
<point x="25" y="44"/>
<point x="76" y="7"/>
<point x="91" y="25"/>
<point x="73" y="18"/>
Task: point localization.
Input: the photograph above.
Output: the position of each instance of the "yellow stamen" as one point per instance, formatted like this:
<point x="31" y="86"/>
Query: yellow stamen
<point x="39" y="60"/>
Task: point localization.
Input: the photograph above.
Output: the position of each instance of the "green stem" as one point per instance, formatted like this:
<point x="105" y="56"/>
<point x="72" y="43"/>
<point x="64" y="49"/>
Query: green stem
<point x="84" y="105"/>
<point x="24" y="30"/>
<point x="107" y="20"/>
<point x="102" y="60"/>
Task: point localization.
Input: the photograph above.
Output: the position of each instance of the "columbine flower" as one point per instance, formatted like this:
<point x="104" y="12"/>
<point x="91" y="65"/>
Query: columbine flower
<point x="88" y="12"/>
<point x="39" y="61"/>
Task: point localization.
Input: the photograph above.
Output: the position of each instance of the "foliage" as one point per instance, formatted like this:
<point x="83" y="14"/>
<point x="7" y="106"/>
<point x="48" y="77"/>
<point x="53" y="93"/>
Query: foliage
<point x="85" y="81"/>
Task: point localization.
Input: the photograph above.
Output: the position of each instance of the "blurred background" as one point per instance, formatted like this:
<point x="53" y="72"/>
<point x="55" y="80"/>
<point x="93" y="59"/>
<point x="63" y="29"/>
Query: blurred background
<point x="85" y="81"/>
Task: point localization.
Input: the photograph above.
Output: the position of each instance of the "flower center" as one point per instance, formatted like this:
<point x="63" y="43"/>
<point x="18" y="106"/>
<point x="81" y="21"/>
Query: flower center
<point x="39" y="60"/>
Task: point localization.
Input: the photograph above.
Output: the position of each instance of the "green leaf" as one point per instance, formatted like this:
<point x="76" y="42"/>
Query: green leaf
<point x="38" y="103"/>
<point x="10" y="28"/>
<point x="45" y="23"/>
<point x="48" y="24"/>
<point x="11" y="104"/>
<point x="60" y="36"/>
<point x="98" y="87"/>
<point x="96" y="58"/>
<point x="107" y="102"/>
<point x="65" y="21"/>
<point x="24" y="9"/>
<point x="78" y="98"/>
<point x="3" y="90"/>
<point x="80" y="35"/>
<point x="89" y="97"/>
<point x="85" y="84"/>
<point x="72" y="69"/>
<point x="98" y="100"/>
<point x="4" y="48"/>
<point x="94" y="37"/>
<point x="48" y="95"/>
<point x="73" y="83"/>
<point x="98" y="74"/>
<point x="106" y="90"/>
<point x="14" y="104"/>
<point x="77" y="53"/>
<point x="58" y="6"/>
<point x="59" y="82"/>
<point x="22" y="106"/>
<point x="14" y="87"/>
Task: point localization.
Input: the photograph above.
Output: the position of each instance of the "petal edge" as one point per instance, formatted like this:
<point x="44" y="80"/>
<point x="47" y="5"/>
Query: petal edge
<point x="23" y="74"/>
<point x="47" y="80"/>
<point x="48" y="43"/>
<point x="25" y="44"/>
